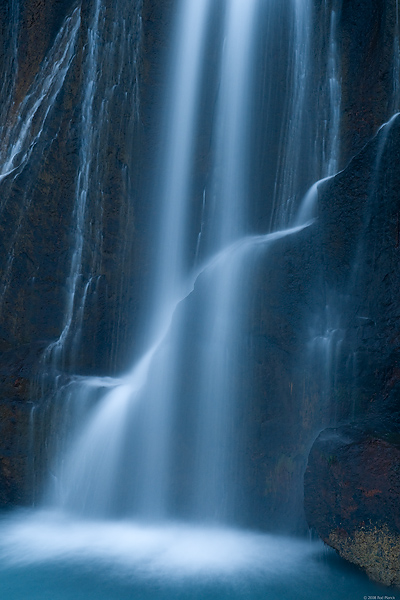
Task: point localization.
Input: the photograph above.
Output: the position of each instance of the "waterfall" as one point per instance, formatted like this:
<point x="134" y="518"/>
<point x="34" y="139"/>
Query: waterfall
<point x="205" y="319"/>
<point x="214" y="488"/>
<point x="176" y="164"/>
<point x="141" y="472"/>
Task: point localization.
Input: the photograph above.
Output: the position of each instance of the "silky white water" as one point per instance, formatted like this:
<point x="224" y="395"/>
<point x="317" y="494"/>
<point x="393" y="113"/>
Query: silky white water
<point x="142" y="501"/>
<point x="122" y="456"/>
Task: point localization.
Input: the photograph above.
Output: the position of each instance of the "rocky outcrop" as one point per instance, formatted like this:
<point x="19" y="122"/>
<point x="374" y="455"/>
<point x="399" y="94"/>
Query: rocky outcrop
<point x="352" y="481"/>
<point x="352" y="486"/>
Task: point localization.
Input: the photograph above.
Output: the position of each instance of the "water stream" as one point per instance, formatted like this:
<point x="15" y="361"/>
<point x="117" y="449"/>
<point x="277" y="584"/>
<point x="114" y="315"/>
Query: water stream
<point x="135" y="474"/>
<point x="143" y="495"/>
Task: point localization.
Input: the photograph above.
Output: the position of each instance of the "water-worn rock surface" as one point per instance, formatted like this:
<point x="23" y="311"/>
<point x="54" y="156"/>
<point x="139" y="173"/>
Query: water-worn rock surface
<point x="352" y="486"/>
<point x="38" y="212"/>
<point x="352" y="482"/>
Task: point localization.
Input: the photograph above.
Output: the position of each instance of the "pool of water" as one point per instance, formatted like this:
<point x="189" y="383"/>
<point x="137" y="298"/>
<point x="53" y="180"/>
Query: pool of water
<point x="49" y="556"/>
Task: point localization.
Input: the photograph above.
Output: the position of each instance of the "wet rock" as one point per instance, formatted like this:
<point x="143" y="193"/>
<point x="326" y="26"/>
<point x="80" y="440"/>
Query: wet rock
<point x="352" y="486"/>
<point x="352" y="481"/>
<point x="366" y="33"/>
<point x="15" y="452"/>
<point x="39" y="22"/>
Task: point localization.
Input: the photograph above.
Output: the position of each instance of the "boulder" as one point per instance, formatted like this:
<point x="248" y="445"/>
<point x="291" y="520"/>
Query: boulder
<point x="352" y="486"/>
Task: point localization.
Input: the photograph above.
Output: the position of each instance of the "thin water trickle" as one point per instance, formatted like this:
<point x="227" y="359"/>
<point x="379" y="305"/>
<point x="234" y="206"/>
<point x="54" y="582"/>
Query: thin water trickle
<point x="396" y="63"/>
<point x="358" y="265"/>
<point x="332" y="145"/>
<point x="10" y="66"/>
<point x="23" y="134"/>
<point x="325" y="333"/>
<point x="295" y="127"/>
<point x="382" y="136"/>
<point x="20" y="136"/>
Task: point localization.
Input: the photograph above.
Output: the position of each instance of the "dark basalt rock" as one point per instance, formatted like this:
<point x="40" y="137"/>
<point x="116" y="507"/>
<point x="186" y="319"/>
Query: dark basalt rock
<point x="15" y="452"/>
<point x="352" y="481"/>
<point x="40" y="21"/>
<point x="18" y="370"/>
<point x="366" y="33"/>
<point x="352" y="487"/>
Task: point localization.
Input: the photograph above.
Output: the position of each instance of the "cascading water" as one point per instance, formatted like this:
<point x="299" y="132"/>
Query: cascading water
<point x="86" y="154"/>
<point x="23" y="136"/>
<point x="165" y="441"/>
<point x="338" y="355"/>
<point x="333" y="351"/>
<point x="214" y="488"/>
<point x="331" y="150"/>
<point x="137" y="475"/>
<point x="109" y="86"/>
<point x="152" y="478"/>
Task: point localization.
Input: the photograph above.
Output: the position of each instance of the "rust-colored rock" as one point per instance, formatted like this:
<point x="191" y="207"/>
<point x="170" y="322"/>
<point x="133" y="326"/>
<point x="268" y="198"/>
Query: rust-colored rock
<point x="352" y="487"/>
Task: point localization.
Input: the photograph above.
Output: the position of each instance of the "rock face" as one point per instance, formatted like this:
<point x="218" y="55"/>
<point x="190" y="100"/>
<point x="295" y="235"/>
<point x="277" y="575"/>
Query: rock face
<point x="34" y="228"/>
<point x="367" y="49"/>
<point x="352" y="480"/>
<point x="352" y="486"/>
<point x="38" y="217"/>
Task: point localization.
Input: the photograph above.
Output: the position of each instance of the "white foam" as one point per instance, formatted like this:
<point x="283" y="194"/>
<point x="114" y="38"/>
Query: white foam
<point x="169" y="551"/>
